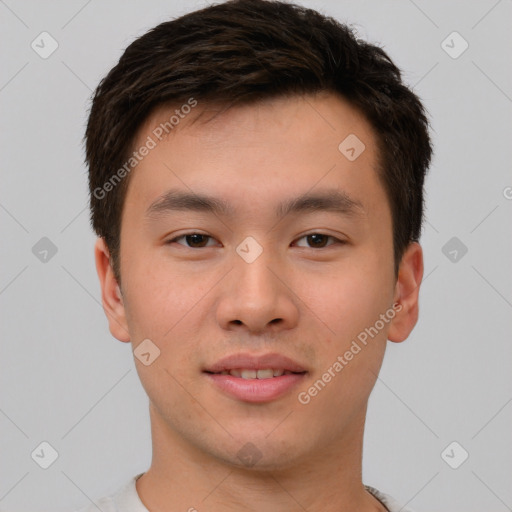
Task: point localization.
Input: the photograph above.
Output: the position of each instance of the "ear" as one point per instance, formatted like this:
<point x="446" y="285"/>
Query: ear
<point x="111" y="297"/>
<point x="407" y="290"/>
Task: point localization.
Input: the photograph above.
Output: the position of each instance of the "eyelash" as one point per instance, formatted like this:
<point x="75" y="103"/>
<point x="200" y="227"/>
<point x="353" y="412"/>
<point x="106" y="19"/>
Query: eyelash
<point x="336" y="240"/>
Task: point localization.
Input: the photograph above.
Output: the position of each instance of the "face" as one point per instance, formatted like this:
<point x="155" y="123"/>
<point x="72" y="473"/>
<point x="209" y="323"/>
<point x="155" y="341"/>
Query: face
<point x="253" y="237"/>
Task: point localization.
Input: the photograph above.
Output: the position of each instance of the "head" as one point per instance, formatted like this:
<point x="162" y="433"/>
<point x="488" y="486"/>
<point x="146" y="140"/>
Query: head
<point x="242" y="111"/>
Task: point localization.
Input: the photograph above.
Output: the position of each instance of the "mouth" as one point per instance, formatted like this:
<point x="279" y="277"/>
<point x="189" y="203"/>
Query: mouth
<point x="248" y="374"/>
<point x="255" y="379"/>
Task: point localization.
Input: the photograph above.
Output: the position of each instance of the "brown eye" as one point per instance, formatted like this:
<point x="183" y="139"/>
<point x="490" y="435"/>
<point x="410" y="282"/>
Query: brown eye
<point x="196" y="240"/>
<point x="193" y="240"/>
<point x="317" y="241"/>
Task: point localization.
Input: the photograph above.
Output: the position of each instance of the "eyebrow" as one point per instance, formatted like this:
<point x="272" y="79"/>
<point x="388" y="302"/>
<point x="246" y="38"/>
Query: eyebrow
<point x="330" y="200"/>
<point x="176" y="200"/>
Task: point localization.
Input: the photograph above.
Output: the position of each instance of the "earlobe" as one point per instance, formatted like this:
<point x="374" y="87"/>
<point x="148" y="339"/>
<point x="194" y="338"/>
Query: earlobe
<point x="111" y="296"/>
<point x="407" y="293"/>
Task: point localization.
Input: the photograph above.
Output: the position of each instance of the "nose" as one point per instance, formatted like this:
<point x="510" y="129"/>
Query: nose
<point x="257" y="297"/>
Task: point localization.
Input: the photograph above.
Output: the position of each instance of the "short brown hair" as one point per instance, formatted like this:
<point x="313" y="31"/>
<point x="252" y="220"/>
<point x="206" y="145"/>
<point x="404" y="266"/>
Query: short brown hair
<point x="244" y="51"/>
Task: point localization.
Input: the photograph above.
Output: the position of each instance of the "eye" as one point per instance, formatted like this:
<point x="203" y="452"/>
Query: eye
<point x="318" y="240"/>
<point x="193" y="240"/>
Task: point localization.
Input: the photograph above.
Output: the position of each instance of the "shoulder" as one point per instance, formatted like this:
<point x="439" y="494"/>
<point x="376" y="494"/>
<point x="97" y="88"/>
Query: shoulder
<point x="124" y="499"/>
<point x="388" y="501"/>
<point x="104" y="504"/>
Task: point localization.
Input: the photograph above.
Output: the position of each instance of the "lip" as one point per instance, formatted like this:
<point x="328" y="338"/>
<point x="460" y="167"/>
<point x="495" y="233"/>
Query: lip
<point x="255" y="390"/>
<point x="255" y="362"/>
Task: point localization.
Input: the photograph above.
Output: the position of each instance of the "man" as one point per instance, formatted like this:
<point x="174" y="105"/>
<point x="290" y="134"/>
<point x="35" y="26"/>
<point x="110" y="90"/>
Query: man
<point x="256" y="177"/>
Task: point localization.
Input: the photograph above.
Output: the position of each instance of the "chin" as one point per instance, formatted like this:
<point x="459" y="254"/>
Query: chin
<point x="260" y="452"/>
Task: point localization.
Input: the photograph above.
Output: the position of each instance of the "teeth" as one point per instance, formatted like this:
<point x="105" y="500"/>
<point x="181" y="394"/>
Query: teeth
<point x="266" y="373"/>
<point x="248" y="374"/>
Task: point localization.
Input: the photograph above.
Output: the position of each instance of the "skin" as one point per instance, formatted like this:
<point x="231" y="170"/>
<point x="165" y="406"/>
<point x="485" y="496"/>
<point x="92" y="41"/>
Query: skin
<point x="306" y="302"/>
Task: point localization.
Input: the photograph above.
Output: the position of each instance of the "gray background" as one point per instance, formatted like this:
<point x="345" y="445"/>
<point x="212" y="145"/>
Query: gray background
<point x="66" y="381"/>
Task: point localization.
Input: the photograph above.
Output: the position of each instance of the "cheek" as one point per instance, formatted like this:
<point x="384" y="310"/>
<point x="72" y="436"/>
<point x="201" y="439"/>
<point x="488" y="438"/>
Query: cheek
<point x="158" y="307"/>
<point x="347" y="298"/>
<point x="153" y="304"/>
<point x="163" y="303"/>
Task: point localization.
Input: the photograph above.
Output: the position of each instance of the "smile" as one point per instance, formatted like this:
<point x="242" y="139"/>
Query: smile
<point x="255" y="378"/>
<point x="268" y="373"/>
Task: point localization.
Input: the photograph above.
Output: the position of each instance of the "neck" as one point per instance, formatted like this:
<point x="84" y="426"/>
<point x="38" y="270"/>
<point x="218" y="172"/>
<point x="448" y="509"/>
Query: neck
<point x="189" y="479"/>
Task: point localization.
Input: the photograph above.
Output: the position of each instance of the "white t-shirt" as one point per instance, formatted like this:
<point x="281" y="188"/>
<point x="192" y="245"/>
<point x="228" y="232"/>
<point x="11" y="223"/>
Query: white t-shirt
<point x="126" y="499"/>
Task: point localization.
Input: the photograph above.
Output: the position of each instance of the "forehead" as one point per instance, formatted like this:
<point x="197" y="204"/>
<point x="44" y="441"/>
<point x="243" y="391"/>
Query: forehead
<point x="305" y="117"/>
<point x="258" y="150"/>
